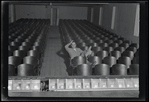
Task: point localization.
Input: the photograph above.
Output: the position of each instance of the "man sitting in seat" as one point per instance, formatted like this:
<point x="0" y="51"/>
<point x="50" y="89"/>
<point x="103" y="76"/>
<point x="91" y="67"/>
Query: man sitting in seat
<point x="75" y="51"/>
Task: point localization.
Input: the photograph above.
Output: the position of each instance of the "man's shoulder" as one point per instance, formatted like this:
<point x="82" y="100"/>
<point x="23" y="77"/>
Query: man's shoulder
<point x="79" y="49"/>
<point x="70" y="49"/>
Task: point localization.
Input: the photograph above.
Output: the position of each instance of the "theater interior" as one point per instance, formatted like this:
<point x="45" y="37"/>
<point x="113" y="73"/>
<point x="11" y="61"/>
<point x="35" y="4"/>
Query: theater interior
<point x="39" y="65"/>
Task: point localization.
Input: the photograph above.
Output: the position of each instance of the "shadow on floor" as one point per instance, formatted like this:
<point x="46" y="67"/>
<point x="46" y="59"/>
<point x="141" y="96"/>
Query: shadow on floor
<point x="63" y="54"/>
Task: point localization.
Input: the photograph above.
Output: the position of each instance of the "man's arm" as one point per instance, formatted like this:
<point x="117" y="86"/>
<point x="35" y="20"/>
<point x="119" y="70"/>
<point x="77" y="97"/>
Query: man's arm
<point x="67" y="45"/>
<point x="89" y="52"/>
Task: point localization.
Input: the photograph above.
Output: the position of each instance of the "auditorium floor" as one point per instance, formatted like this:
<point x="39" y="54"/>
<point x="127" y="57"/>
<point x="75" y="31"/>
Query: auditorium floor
<point x="53" y="64"/>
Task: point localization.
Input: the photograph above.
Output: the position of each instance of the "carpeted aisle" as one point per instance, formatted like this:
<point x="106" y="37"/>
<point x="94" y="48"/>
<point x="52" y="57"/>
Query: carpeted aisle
<point x="53" y="64"/>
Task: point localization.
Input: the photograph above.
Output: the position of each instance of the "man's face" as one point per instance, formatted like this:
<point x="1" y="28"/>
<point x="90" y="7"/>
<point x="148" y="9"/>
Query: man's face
<point x="73" y="45"/>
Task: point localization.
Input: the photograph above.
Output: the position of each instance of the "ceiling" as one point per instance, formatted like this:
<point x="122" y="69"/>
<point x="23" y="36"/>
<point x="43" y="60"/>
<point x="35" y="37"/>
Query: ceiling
<point x="60" y="3"/>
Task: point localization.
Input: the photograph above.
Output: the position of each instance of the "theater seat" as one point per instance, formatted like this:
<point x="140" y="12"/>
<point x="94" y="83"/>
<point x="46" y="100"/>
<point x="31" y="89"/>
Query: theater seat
<point x="30" y="60"/>
<point x="84" y="70"/>
<point x="129" y="54"/>
<point x="119" y="69"/>
<point x="78" y="60"/>
<point x="25" y="70"/>
<point x="96" y="49"/>
<point x="109" y="60"/>
<point x="102" y="54"/>
<point x="125" y="60"/>
<point x="102" y="69"/>
<point x="14" y="60"/>
<point x="115" y="54"/>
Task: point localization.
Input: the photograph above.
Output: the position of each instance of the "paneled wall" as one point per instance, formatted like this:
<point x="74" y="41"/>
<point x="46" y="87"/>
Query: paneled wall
<point x="96" y="15"/>
<point x="89" y="14"/>
<point x="42" y="11"/>
<point x="72" y="12"/>
<point x="124" y="22"/>
<point x="30" y="11"/>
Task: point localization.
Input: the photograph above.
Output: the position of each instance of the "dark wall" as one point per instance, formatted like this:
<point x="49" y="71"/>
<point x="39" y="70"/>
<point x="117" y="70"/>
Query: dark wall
<point x="96" y="15"/>
<point x="42" y="11"/>
<point x="124" y="23"/>
<point x="89" y="13"/>
<point x="72" y="12"/>
<point x="30" y="11"/>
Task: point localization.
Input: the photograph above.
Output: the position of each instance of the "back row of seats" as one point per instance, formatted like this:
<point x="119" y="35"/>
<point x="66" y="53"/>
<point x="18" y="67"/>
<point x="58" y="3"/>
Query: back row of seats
<point x="109" y="48"/>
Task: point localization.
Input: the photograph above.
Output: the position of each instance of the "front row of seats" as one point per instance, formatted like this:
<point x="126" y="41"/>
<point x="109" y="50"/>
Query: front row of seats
<point x="29" y="67"/>
<point x="82" y="68"/>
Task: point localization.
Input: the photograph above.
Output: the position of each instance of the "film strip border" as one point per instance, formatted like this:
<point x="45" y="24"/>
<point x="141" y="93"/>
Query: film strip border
<point x="73" y="84"/>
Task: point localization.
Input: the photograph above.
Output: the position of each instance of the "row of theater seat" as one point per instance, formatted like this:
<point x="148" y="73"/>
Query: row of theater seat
<point x="108" y="66"/>
<point x="109" y="48"/>
<point x="26" y="47"/>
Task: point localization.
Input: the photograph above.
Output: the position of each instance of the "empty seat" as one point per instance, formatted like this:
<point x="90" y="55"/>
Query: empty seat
<point x="102" y="69"/>
<point x="121" y="49"/>
<point x="78" y="40"/>
<point x="128" y="54"/>
<point x="121" y="38"/>
<point x="128" y="41"/>
<point x="105" y="38"/>
<point x="102" y="54"/>
<point x="134" y="45"/>
<point x="118" y="41"/>
<point x="103" y="45"/>
<point x="114" y="39"/>
<point x="36" y="48"/>
<point x="34" y="53"/>
<point x="125" y="45"/>
<point x="119" y="69"/>
<point x="134" y="69"/>
<point x="109" y="42"/>
<point x="14" y="44"/>
<point x="96" y="49"/>
<point x="14" y="60"/>
<point x="19" y="53"/>
<point x="89" y="41"/>
<point x="93" y="44"/>
<point x="114" y="45"/>
<point x="95" y="59"/>
<point x="109" y="60"/>
<point x="99" y="41"/>
<point x="18" y="40"/>
<point x="78" y="60"/>
<point x="24" y="48"/>
<point x="125" y="60"/>
<point x="26" y="44"/>
<point x="30" y="60"/>
<point x="12" y="48"/>
<point x="81" y="44"/>
<point x="116" y="54"/>
<point x="25" y="70"/>
<point x="108" y="49"/>
<point x="134" y="49"/>
<point x="11" y="70"/>
<point x="84" y="70"/>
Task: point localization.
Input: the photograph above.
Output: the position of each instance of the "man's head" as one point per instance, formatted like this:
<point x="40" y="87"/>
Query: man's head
<point x="73" y="45"/>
